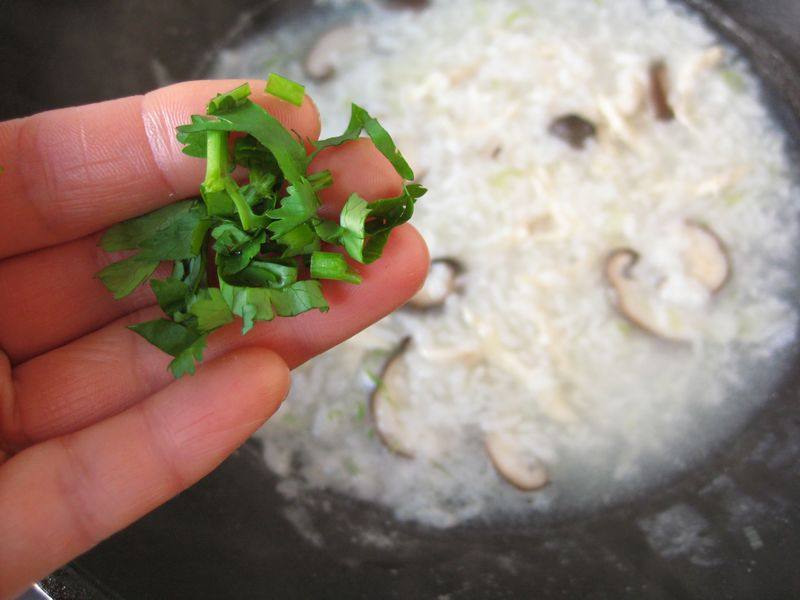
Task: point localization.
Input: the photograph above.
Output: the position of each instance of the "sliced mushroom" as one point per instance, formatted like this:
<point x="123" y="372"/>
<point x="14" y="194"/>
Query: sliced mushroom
<point x="659" y="91"/>
<point x="518" y="466"/>
<point x="573" y="129"/>
<point x="321" y="60"/>
<point x="388" y="402"/>
<point x="705" y="261"/>
<point x="442" y="281"/>
<point x="705" y="257"/>
<point x="636" y="301"/>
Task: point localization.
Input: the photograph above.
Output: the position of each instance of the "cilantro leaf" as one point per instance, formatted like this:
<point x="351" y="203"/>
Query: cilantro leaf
<point x="272" y="274"/>
<point x="328" y="231"/>
<point x="249" y="303"/>
<point x="361" y="120"/>
<point x="180" y="341"/>
<point x="182" y="240"/>
<point x="364" y="228"/>
<point x="174" y="232"/>
<point x="210" y="309"/>
<point x="171" y="295"/>
<point x="352" y="220"/>
<point x="262" y="304"/>
<point x="250" y="118"/>
<point x="236" y="248"/>
<point x="185" y="362"/>
<point x="248" y="152"/>
<point x="300" y="240"/>
<point x="299" y="206"/>
<point x="173" y="338"/>
<point x="124" y="276"/>
<point x="298" y="298"/>
<point x="262" y="233"/>
<point x="193" y="136"/>
<point x="385" y="215"/>
<point x="131" y="234"/>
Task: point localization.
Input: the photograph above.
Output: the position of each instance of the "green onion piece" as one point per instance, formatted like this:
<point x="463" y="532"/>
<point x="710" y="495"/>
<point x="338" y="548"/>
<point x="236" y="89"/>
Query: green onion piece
<point x="285" y="89"/>
<point x="330" y="265"/>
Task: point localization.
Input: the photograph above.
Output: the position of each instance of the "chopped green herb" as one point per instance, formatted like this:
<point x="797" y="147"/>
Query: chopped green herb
<point x="330" y="265"/>
<point x="351" y="467"/>
<point x="361" y="411"/>
<point x="734" y="80"/>
<point x="232" y="99"/>
<point x="625" y="328"/>
<point x="286" y="89"/>
<point x="733" y="198"/>
<point x="261" y="237"/>
<point x="361" y="120"/>
<point x="517" y="14"/>
<point x="126" y="275"/>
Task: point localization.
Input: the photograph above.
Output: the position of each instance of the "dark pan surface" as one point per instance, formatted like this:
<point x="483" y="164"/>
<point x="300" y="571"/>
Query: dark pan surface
<point x="228" y="537"/>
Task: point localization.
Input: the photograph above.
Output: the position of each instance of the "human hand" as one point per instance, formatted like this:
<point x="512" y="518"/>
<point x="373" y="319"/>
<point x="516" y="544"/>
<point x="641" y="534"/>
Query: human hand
<point x="93" y="431"/>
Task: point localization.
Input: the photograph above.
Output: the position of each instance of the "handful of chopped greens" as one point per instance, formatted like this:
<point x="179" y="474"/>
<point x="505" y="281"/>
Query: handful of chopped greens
<point x="263" y="238"/>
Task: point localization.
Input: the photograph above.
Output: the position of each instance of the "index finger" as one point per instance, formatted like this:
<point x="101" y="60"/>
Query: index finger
<point x="73" y="171"/>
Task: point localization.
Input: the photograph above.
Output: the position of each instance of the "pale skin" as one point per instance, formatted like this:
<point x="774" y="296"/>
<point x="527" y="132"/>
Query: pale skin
<point x="94" y="433"/>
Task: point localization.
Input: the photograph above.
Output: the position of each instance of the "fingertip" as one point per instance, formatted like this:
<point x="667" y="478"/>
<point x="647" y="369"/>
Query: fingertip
<point x="255" y="373"/>
<point x="409" y="257"/>
<point x="267" y="370"/>
<point x="207" y="416"/>
<point x="356" y="166"/>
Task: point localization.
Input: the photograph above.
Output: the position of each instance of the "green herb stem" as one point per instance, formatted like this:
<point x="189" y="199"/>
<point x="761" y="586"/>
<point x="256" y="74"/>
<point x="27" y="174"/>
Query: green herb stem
<point x="250" y="221"/>
<point x="217" y="163"/>
<point x="321" y="180"/>
<point x="330" y="265"/>
<point x="285" y="89"/>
